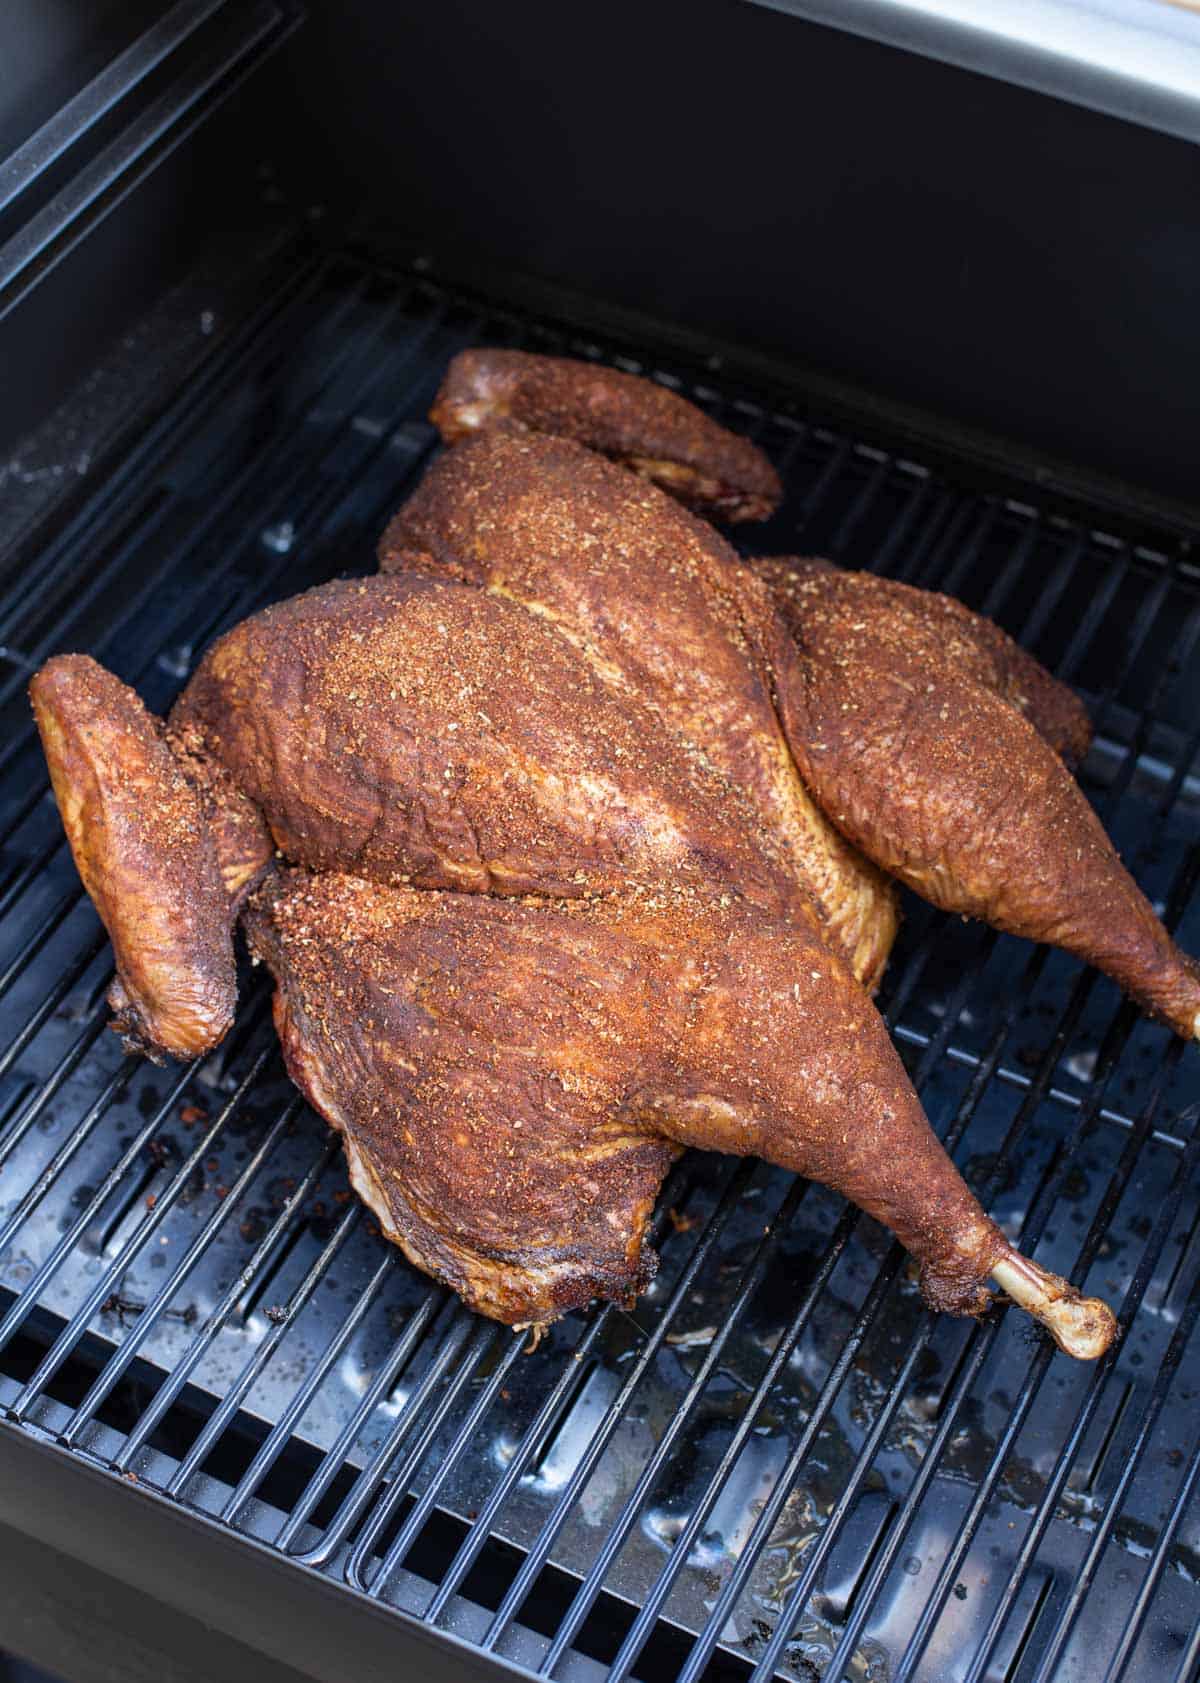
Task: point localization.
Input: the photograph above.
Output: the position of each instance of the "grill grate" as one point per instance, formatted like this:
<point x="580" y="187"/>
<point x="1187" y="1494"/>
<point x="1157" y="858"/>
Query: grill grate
<point x="779" y="1464"/>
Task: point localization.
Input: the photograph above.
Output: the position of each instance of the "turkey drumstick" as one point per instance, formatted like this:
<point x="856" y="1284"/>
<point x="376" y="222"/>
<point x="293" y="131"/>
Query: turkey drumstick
<point x="936" y="757"/>
<point x="511" y="1079"/>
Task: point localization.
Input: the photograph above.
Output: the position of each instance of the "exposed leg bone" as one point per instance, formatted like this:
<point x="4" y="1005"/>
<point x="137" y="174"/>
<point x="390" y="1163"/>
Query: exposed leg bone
<point x="1082" y="1326"/>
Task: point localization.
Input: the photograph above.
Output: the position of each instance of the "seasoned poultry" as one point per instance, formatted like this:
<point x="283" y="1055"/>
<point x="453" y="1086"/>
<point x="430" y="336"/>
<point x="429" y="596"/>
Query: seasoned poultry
<point x="935" y="746"/>
<point x="147" y="855"/>
<point x="659" y="607"/>
<point x="919" y="729"/>
<point x="513" y="1076"/>
<point x="652" y="430"/>
<point x="523" y="900"/>
<point x="545" y="917"/>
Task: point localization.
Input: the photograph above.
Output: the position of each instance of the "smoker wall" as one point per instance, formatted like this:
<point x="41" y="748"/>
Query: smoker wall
<point x="983" y="252"/>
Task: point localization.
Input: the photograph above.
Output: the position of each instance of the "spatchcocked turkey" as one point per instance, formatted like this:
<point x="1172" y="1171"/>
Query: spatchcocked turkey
<point x="569" y="839"/>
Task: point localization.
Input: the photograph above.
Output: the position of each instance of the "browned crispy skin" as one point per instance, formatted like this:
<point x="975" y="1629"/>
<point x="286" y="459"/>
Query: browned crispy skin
<point x="413" y="729"/>
<point x="512" y="1071"/>
<point x="920" y="751"/>
<point x="512" y="1078"/>
<point x="637" y="422"/>
<point x="241" y="838"/>
<point x="472" y="1051"/>
<point x="660" y="608"/>
<point x="941" y="635"/>
<point x="146" y="857"/>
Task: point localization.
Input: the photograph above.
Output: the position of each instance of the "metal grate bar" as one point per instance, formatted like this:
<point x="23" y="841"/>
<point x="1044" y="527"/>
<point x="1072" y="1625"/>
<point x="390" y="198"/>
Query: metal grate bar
<point x="956" y="555"/>
<point x="1165" y="1377"/>
<point x="389" y="1372"/>
<point x="714" y="1627"/>
<point x="20" y="879"/>
<point x="398" y="1549"/>
<point x="1045" y="1512"/>
<point x="121" y="1358"/>
<point x="23" y="1123"/>
<point x="1181" y="658"/>
<point x="1032" y="1231"/>
<point x="1054" y="1486"/>
<point x="1112" y="795"/>
<point x="937" y="525"/>
<point x="619" y="1531"/>
<point x="1039" y="1214"/>
<point x="1185" y="1671"/>
<point x="486" y="1342"/>
<point x="255" y="1367"/>
<point x="464" y="1335"/>
<point x="881" y="560"/>
<point x="1148" y="610"/>
<point x="538" y="1554"/>
<point x="53" y="920"/>
<point x="1186" y="761"/>
<point x="75" y="1327"/>
<point x="823" y="485"/>
<point x="1051" y="593"/>
<point x="1097" y="612"/>
<point x="20" y="1210"/>
<point x="1019" y="557"/>
<point x="385" y="1462"/>
<point x="1007" y="1077"/>
<point x="356" y="1566"/>
<point x="467" y="1341"/>
<point x="861" y="506"/>
<point x="981" y="1341"/>
<point x="535" y="1434"/>
<point x="38" y="1018"/>
<point x="183" y="1369"/>
<point x="283" y="1428"/>
<point x="22" y="1305"/>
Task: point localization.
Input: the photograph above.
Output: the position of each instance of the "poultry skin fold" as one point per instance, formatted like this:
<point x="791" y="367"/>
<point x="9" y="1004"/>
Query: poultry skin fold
<point x="565" y="843"/>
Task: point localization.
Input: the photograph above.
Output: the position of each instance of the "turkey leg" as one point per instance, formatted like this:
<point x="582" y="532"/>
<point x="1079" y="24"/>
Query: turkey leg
<point x="512" y="1076"/>
<point x="926" y="760"/>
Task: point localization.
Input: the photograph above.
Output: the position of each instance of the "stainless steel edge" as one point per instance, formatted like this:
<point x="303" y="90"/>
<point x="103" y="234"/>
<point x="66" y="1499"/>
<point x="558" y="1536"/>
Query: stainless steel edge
<point x="1134" y="59"/>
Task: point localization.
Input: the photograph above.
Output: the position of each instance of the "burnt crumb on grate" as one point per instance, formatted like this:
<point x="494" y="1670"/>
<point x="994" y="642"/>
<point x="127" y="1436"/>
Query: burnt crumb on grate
<point x="127" y="1307"/>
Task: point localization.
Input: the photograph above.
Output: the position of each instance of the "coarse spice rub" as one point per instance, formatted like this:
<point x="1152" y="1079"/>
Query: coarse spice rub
<point x="566" y="842"/>
<point x="514" y="1077"/>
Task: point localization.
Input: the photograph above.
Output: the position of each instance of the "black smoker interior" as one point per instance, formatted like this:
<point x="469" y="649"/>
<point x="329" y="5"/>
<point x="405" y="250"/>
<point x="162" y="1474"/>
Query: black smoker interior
<point x="239" y="1436"/>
